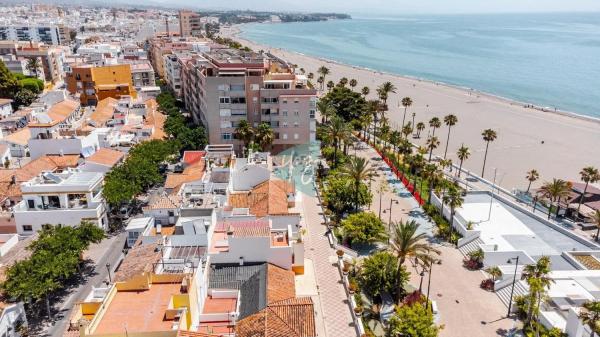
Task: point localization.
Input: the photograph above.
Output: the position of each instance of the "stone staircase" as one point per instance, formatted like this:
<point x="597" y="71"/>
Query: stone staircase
<point x="521" y="288"/>
<point x="470" y="247"/>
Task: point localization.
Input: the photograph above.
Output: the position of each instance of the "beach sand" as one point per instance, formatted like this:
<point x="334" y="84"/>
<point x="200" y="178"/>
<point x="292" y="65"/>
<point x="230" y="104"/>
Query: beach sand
<point x="558" y="145"/>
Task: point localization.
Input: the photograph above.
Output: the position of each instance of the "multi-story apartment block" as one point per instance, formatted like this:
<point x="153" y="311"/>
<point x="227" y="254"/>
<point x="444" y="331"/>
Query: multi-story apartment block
<point x="51" y="57"/>
<point x="47" y="34"/>
<point x="190" y="23"/>
<point x="66" y="198"/>
<point x="226" y="86"/>
<point x="158" y="47"/>
<point x="142" y="74"/>
<point x="173" y="72"/>
<point x="94" y="84"/>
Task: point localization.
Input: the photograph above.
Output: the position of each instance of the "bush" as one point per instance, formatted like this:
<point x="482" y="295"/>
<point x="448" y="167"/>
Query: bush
<point x="379" y="273"/>
<point x="487" y="284"/>
<point x="364" y="227"/>
<point x="35" y="85"/>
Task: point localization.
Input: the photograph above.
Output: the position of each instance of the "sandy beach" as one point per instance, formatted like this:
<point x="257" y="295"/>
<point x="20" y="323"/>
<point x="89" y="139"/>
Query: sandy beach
<point x="557" y="144"/>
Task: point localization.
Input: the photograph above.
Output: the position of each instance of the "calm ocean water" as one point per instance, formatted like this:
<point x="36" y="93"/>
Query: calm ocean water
<point x="547" y="59"/>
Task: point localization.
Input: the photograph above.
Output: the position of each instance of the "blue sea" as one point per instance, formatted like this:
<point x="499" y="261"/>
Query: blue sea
<point x="551" y="60"/>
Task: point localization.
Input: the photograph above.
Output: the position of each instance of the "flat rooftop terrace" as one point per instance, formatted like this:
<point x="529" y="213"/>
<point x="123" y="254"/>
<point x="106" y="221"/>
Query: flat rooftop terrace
<point x="139" y="311"/>
<point x="510" y="228"/>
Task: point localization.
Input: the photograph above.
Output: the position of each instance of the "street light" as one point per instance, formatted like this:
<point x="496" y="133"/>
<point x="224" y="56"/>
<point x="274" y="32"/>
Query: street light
<point x="390" y="218"/>
<point x="512" y="290"/>
<point x="421" y="283"/>
<point x="429" y="282"/>
<point x="108" y="269"/>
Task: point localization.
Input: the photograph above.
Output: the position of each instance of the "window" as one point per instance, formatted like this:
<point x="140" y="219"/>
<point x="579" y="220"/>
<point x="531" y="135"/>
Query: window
<point x="285" y="101"/>
<point x="295" y="124"/>
<point x="238" y="87"/>
<point x="284" y="136"/>
<point x="296" y="136"/>
<point x="224" y="100"/>
<point x="171" y="213"/>
<point x="296" y="113"/>
<point x="226" y="136"/>
<point x="30" y="204"/>
<point x="254" y="99"/>
<point x="296" y="100"/>
<point x="223" y="87"/>
<point x="312" y="113"/>
<point x="285" y="124"/>
<point x="238" y="100"/>
<point x="284" y="112"/>
<point x="27" y="228"/>
<point x="269" y="100"/>
<point x="225" y="112"/>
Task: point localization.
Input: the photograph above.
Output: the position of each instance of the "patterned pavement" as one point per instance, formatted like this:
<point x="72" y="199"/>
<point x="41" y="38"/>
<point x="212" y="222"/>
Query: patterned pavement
<point x="335" y="314"/>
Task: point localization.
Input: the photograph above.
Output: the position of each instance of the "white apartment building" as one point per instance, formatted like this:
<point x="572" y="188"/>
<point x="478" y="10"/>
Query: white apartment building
<point x="46" y="34"/>
<point x="173" y="73"/>
<point x="66" y="198"/>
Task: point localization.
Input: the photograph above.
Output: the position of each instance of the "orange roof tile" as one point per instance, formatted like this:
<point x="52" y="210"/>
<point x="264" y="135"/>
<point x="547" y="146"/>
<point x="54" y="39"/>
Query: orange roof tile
<point x="104" y="111"/>
<point x="60" y="111"/>
<point x="165" y="202"/>
<point x="280" y="284"/>
<point x="192" y="157"/>
<point x="182" y="333"/>
<point x="190" y="173"/>
<point x="139" y="260"/>
<point x="269" y="197"/>
<point x="19" y="137"/>
<point x="106" y="157"/>
<point x="251" y="231"/>
<point x="289" y="318"/>
<point x="4" y="101"/>
<point x="155" y="118"/>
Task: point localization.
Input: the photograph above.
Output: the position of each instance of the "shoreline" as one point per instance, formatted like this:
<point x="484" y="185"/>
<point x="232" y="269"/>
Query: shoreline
<point x="235" y="32"/>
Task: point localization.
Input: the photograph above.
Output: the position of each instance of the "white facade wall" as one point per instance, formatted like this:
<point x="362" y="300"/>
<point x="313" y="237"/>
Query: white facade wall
<point x="66" y="217"/>
<point x="42" y="147"/>
<point x="254" y="250"/>
<point x="6" y="110"/>
<point x="9" y="319"/>
<point x="10" y="240"/>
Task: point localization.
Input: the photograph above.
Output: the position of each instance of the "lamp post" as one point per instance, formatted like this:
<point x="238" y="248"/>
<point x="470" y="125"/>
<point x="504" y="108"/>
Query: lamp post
<point x="390" y="218"/>
<point x="413" y="123"/>
<point x="512" y="290"/>
<point x="429" y="283"/>
<point x="108" y="270"/>
<point x="422" y="274"/>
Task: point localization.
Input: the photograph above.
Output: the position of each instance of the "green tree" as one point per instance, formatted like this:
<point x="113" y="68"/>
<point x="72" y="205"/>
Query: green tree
<point x="331" y="85"/>
<point x="340" y="197"/>
<point x="379" y="273"/>
<point x="494" y="272"/>
<point x="420" y="127"/>
<point x="35" y="85"/>
<point x="432" y="144"/>
<point x="463" y="154"/>
<point x="412" y="321"/>
<point x="365" y="91"/>
<point x="363" y="228"/>
<point x="489" y="136"/>
<point x="244" y="132"/>
<point x="343" y="81"/>
<point x="357" y="169"/>
<point x="384" y="90"/>
<point x="338" y="132"/>
<point x="34" y="65"/>
<point x="590" y="315"/>
<point x="323" y="71"/>
<point x="434" y="123"/>
<point x="531" y="176"/>
<point x="264" y="135"/>
<point x="538" y="279"/>
<point x="353" y="83"/>
<point x="588" y="175"/>
<point x="454" y="199"/>
<point x="24" y="97"/>
<point x="554" y="191"/>
<point x="9" y="85"/>
<point x="406" y="103"/>
<point x="450" y="121"/>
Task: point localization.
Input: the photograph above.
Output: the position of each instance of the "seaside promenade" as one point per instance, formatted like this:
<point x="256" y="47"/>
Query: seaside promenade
<point x="557" y="145"/>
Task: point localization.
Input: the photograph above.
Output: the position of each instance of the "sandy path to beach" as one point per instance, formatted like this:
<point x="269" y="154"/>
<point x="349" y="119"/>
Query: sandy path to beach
<point x="557" y="145"/>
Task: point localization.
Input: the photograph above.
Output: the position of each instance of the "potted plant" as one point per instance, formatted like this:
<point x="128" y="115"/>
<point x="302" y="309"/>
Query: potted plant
<point x="352" y="287"/>
<point x="340" y="253"/>
<point x="358" y="310"/>
<point x="345" y="269"/>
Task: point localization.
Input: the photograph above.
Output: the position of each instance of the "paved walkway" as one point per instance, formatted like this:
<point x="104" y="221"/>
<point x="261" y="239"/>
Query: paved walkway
<point x="334" y="312"/>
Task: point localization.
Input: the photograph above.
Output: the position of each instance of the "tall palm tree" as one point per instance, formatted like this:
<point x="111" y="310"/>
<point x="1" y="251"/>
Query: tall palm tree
<point x="538" y="279"/>
<point x="406" y="102"/>
<point x="353" y="83"/>
<point x="531" y="176"/>
<point x="34" y="65"/>
<point x="489" y="136"/>
<point x="330" y="85"/>
<point x="407" y="130"/>
<point x="590" y="315"/>
<point x="358" y="170"/>
<point x="463" y="154"/>
<point x="410" y="242"/>
<point x="450" y="121"/>
<point x="432" y="173"/>
<point x="385" y="89"/>
<point x="310" y="76"/>
<point x="323" y="71"/>
<point x="554" y="191"/>
<point x="321" y="81"/>
<point x="588" y="175"/>
<point x="303" y="71"/>
<point x="244" y="132"/>
<point x="264" y="135"/>
<point x="365" y="91"/>
<point x="434" y="123"/>
<point x="432" y="144"/>
<point x="420" y="128"/>
<point x="338" y="131"/>
<point x="454" y="199"/>
<point x="343" y="81"/>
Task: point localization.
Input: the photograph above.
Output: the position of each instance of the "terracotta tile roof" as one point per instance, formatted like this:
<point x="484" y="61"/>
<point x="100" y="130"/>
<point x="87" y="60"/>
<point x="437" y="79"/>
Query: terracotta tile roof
<point x="165" y="202"/>
<point x="223" y="226"/>
<point x="60" y="111"/>
<point x="8" y="189"/>
<point x="182" y="333"/>
<point x="192" y="157"/>
<point x="19" y="137"/>
<point x="244" y="232"/>
<point x="4" y="101"/>
<point x="139" y="260"/>
<point x="289" y="318"/>
<point x="190" y="173"/>
<point x="104" y="111"/>
<point x="280" y="284"/>
<point x="156" y="119"/>
<point x="269" y="197"/>
<point x="106" y="157"/>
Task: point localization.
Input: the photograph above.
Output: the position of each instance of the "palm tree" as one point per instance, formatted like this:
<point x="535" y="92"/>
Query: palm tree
<point x="420" y="128"/>
<point x="450" y="121"/>
<point x="494" y="272"/>
<point x="409" y="242"/>
<point x="323" y="71"/>
<point x="321" y="80"/>
<point x="432" y="173"/>
<point x="489" y="135"/>
<point x="34" y="65"/>
<point x="385" y="89"/>
<point x="310" y="76"/>
<point x="463" y="154"/>
<point x="454" y="199"/>
<point x="590" y="315"/>
<point x="406" y="102"/>
<point x="330" y="85"/>
<point x="531" y="176"/>
<point x="365" y="91"/>
<point x="538" y="279"/>
<point x="588" y="175"/>
<point x="338" y="131"/>
<point x="353" y="83"/>
<point x="358" y="170"/>
<point x="596" y="221"/>
<point x="407" y="130"/>
<point x="343" y="81"/>
<point x="434" y="123"/>
<point x="554" y="191"/>
<point x="264" y="135"/>
<point x="432" y="144"/>
<point x="244" y="132"/>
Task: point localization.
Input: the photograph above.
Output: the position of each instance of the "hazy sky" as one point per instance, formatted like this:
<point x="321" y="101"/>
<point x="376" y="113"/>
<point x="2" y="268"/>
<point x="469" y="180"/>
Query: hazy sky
<point x="357" y="7"/>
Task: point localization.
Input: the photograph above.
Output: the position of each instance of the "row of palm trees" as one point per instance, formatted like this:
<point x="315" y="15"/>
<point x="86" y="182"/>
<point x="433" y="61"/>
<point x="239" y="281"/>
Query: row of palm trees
<point x="262" y="135"/>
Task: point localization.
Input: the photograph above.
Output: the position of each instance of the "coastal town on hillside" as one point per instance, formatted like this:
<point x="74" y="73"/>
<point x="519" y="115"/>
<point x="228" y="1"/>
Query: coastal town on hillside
<point x="163" y="177"/>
